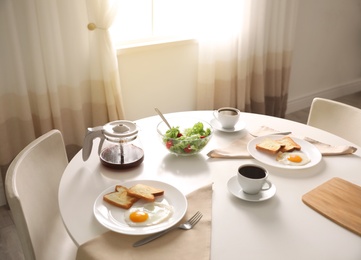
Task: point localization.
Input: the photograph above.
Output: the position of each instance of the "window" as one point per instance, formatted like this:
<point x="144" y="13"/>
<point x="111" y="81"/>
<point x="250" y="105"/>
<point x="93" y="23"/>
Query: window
<point x="146" y="20"/>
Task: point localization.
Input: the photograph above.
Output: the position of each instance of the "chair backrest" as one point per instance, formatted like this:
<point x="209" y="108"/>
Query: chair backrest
<point x="337" y="118"/>
<point x="31" y="186"/>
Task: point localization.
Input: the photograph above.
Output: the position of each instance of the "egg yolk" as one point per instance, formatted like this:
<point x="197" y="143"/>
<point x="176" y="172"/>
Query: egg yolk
<point x="138" y="216"/>
<point x="294" y="158"/>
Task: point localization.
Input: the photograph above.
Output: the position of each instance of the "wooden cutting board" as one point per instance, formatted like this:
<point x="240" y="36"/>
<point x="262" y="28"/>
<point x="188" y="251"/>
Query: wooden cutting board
<point x="338" y="200"/>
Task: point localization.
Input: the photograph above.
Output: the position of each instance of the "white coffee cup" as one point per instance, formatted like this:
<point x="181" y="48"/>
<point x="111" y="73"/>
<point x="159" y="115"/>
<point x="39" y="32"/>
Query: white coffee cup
<point x="227" y="116"/>
<point x="253" y="178"/>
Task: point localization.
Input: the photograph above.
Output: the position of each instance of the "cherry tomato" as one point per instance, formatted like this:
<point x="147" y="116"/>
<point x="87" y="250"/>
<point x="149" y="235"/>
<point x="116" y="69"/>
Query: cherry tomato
<point x="179" y="135"/>
<point x="202" y="136"/>
<point x="188" y="149"/>
<point x="169" y="144"/>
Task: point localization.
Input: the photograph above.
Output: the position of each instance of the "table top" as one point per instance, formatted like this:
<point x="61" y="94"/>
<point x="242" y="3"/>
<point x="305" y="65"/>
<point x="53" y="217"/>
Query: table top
<point x="282" y="227"/>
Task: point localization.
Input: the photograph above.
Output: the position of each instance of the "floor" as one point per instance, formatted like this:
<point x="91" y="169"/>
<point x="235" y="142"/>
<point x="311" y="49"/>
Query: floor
<point x="10" y="248"/>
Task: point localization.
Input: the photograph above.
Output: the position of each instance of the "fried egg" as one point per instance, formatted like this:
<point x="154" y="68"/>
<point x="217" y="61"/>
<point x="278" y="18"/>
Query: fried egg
<point x="148" y="214"/>
<point x="292" y="158"/>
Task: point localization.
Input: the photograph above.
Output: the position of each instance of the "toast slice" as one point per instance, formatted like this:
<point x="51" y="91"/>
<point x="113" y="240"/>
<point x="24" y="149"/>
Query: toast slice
<point x="270" y="146"/>
<point x="289" y="144"/>
<point x="145" y="192"/>
<point x="120" y="188"/>
<point x="120" y="197"/>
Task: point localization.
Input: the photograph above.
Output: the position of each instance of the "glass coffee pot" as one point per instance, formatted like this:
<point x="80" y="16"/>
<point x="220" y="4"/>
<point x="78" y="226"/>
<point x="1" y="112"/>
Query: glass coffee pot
<point x="119" y="145"/>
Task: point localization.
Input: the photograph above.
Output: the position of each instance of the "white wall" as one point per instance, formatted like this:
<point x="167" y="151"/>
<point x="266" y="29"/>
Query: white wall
<point x="162" y="76"/>
<point x="326" y="62"/>
<point x="327" y="53"/>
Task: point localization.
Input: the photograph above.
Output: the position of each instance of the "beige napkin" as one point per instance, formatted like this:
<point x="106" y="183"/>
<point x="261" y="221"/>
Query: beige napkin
<point x="177" y="244"/>
<point x="238" y="148"/>
<point x="327" y="150"/>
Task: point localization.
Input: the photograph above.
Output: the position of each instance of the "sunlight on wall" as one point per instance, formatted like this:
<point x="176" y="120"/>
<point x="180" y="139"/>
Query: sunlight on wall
<point x="140" y="20"/>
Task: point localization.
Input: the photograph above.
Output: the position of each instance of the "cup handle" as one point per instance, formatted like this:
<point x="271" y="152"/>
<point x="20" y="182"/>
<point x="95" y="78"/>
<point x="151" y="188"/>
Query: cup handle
<point x="215" y="114"/>
<point x="269" y="185"/>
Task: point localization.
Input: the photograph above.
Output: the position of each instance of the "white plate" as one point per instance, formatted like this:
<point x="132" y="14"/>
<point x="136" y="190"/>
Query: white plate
<point x="237" y="191"/>
<point x="112" y="217"/>
<point x="238" y="127"/>
<point x="307" y="148"/>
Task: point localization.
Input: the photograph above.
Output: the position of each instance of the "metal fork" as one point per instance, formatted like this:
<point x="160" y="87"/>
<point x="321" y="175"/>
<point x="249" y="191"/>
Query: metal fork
<point x="190" y="223"/>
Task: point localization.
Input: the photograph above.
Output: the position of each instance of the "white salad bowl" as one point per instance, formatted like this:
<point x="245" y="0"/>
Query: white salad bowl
<point x="187" y="144"/>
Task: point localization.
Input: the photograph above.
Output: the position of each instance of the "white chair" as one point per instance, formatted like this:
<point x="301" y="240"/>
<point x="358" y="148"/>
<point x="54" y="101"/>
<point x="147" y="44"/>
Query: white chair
<point x="337" y="118"/>
<point x="31" y="186"/>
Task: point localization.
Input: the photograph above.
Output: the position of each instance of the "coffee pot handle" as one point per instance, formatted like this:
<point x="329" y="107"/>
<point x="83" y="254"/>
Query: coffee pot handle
<point x="91" y="134"/>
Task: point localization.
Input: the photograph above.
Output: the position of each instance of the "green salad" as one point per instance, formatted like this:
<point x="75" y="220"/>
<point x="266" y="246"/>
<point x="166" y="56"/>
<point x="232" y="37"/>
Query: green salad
<point x="192" y="140"/>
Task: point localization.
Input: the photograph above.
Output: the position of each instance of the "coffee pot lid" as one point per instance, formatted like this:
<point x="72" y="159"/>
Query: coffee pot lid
<point x="120" y="129"/>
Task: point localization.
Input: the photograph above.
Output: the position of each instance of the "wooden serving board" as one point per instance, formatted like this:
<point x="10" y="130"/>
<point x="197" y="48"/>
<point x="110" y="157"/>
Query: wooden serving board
<point x="339" y="201"/>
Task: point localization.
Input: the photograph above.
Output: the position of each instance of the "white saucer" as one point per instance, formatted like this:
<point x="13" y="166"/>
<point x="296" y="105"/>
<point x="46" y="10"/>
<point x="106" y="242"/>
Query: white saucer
<point x="237" y="191"/>
<point x="238" y="127"/>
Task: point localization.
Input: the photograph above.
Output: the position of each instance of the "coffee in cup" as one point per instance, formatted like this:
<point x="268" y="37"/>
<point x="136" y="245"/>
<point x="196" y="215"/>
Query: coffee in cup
<point x="253" y="178"/>
<point x="227" y="116"/>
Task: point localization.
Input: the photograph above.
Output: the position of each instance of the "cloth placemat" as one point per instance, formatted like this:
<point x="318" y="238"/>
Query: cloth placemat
<point x="177" y="244"/>
<point x="238" y="148"/>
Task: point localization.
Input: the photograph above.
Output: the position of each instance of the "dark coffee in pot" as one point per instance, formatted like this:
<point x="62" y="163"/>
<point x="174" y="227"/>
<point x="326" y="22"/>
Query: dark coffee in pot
<point x="122" y="157"/>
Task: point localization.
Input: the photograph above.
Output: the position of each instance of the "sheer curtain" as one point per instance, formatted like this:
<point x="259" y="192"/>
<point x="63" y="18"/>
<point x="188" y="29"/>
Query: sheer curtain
<point x="54" y="72"/>
<point x="245" y="55"/>
<point x="104" y="73"/>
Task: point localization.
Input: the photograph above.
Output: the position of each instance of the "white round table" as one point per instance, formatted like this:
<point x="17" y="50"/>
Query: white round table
<point x="282" y="227"/>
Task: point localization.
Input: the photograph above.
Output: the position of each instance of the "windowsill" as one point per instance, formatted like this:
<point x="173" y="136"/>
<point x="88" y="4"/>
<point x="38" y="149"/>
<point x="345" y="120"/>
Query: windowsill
<point x="152" y="44"/>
